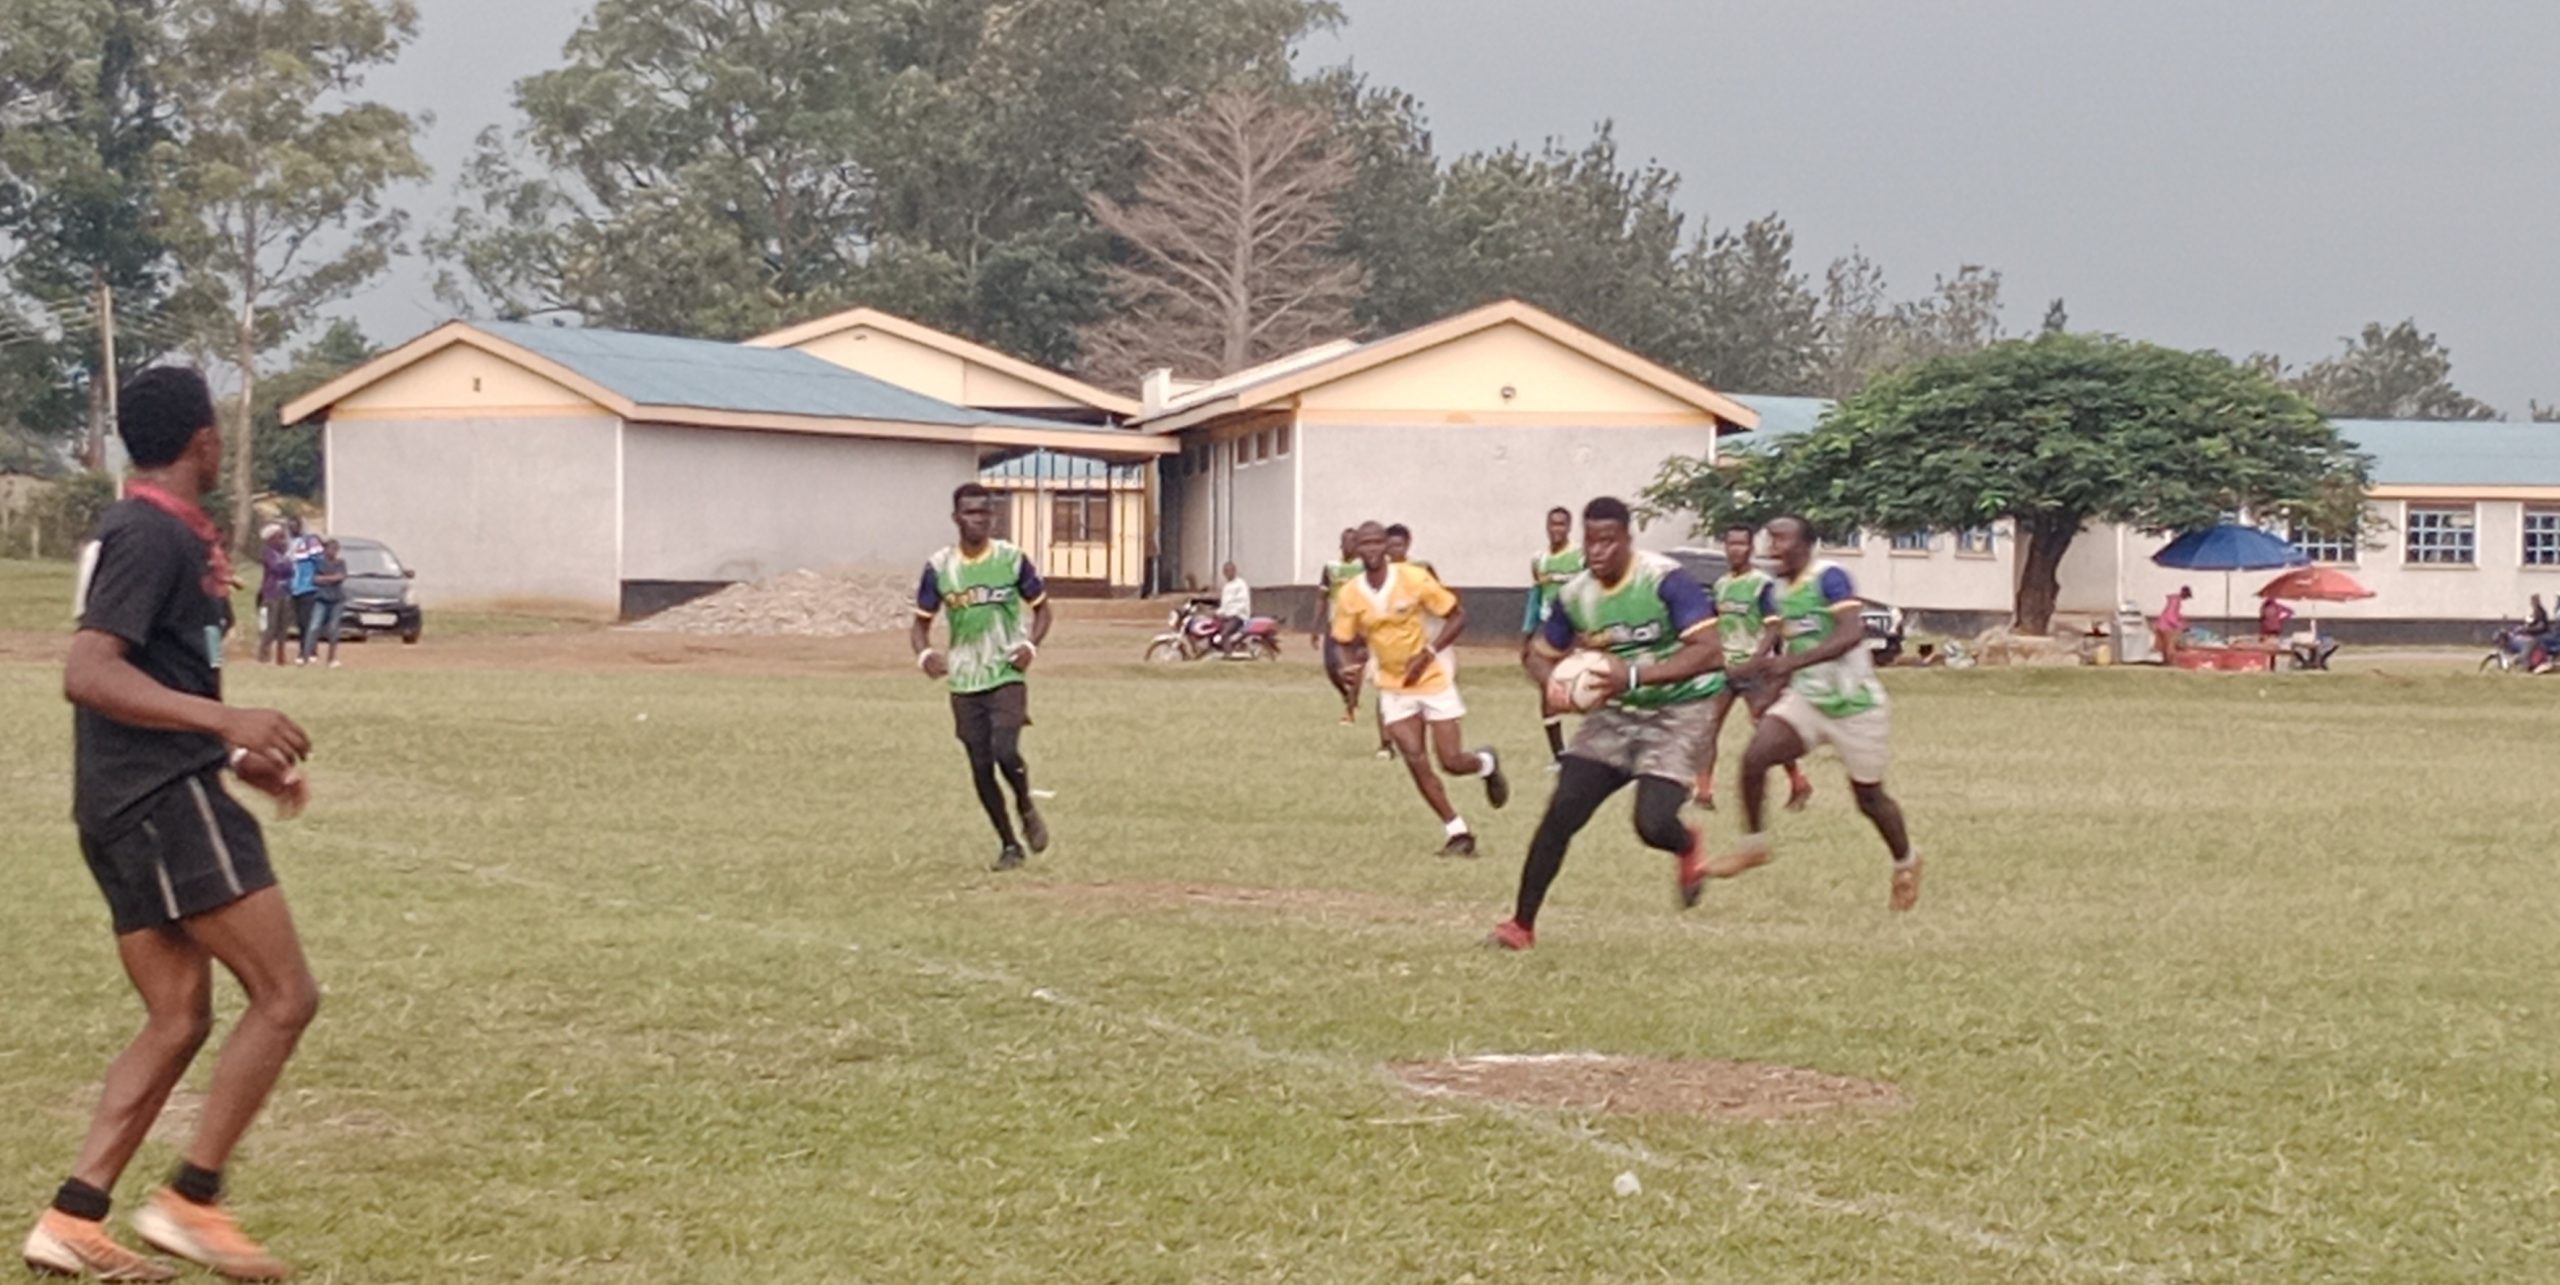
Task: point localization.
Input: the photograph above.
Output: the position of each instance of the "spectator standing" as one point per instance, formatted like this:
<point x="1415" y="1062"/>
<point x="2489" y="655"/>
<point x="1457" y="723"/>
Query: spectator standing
<point x="275" y="594"/>
<point x="304" y="550"/>
<point x="2169" y="628"/>
<point x="328" y="599"/>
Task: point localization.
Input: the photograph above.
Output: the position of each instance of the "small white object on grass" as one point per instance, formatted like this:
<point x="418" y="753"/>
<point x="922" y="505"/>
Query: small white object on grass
<point x="641" y="718"/>
<point x="1044" y="794"/>
<point x="1628" y="1184"/>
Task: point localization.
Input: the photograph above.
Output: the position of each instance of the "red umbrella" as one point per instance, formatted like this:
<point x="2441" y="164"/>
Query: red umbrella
<point x="2315" y="584"/>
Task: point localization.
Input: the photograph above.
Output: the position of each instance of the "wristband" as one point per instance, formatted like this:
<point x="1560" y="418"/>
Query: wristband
<point x="1632" y="676"/>
<point x="238" y="752"/>
<point x="1030" y="646"/>
<point x="923" y="656"/>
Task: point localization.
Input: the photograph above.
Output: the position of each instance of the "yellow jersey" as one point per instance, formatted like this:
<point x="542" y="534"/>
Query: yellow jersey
<point x="1392" y="622"/>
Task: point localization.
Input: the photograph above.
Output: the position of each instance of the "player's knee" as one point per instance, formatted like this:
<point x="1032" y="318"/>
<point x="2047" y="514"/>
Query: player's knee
<point x="290" y="1004"/>
<point x="179" y="1034"/>
<point x="1871" y="798"/>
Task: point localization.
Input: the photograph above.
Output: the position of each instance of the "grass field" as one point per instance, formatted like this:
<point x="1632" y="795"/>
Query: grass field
<point x="674" y="972"/>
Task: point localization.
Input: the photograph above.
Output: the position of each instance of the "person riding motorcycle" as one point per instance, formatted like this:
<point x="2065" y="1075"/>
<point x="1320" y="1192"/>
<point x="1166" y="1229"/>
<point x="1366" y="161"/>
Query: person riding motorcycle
<point x="1235" y="608"/>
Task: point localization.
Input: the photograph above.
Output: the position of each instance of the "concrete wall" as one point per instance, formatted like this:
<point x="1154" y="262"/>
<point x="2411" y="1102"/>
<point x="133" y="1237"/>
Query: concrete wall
<point x="495" y="510"/>
<point x="713" y="505"/>
<point x="1476" y="495"/>
<point x="1942" y="581"/>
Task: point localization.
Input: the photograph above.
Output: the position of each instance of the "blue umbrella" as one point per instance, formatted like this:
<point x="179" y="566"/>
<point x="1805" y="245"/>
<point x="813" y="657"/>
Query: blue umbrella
<point x="2227" y="548"/>
<point x="2230" y="547"/>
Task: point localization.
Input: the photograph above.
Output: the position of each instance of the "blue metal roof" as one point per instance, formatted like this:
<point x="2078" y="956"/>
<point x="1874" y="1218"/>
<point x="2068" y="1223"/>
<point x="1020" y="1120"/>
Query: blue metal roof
<point x="705" y="374"/>
<point x="2420" y="452"/>
<point x="1053" y="466"/>
<point x="2406" y="452"/>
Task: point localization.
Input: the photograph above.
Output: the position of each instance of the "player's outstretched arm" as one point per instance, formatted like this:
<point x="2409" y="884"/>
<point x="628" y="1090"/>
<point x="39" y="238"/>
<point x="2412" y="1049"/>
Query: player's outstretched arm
<point x="1851" y="635"/>
<point x="99" y="678"/>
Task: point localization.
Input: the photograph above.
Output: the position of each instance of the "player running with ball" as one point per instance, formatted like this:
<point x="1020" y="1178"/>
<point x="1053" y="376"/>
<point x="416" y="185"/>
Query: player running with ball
<point x="1657" y="626"/>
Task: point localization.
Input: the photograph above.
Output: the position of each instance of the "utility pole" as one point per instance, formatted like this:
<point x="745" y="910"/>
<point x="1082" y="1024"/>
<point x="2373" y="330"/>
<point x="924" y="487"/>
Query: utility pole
<point x="110" y="443"/>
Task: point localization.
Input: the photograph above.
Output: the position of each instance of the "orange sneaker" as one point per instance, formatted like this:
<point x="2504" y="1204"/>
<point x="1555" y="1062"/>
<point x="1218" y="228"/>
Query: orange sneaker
<point x="1692" y="869"/>
<point x="1748" y="852"/>
<point x="62" y="1245"/>
<point x="1906" y="883"/>
<point x="205" y="1235"/>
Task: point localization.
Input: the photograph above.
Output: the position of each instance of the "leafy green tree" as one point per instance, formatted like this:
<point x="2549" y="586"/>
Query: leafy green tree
<point x="2050" y="433"/>
<point x="1865" y="331"/>
<point x="721" y="167"/>
<point x="1747" y="321"/>
<point x="1389" y="209"/>
<point x="80" y="113"/>
<point x="2395" y="373"/>
<point x="287" y="458"/>
<point x="276" y="187"/>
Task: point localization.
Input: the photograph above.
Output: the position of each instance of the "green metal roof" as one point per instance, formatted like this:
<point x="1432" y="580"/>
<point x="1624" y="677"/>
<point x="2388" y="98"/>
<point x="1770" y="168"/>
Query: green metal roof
<point x="705" y="374"/>
<point x="2406" y="452"/>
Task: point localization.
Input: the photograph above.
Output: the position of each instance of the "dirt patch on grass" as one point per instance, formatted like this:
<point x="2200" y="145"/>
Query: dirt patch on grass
<point x="1313" y="903"/>
<point x="1711" y="1087"/>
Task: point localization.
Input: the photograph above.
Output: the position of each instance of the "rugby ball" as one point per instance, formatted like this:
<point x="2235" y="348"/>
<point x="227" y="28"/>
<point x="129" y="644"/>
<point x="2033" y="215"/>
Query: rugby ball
<point x="1581" y="681"/>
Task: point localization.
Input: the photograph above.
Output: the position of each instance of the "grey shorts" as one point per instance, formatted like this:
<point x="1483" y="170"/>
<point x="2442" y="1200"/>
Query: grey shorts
<point x="1670" y="742"/>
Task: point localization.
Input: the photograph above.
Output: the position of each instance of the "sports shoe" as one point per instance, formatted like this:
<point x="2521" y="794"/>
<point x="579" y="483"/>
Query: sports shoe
<point x="1035" y="830"/>
<point x="205" y="1235"/>
<point x="1749" y="852"/>
<point x="1497" y="787"/>
<point x="1459" y="845"/>
<point x="1692" y="869"/>
<point x="1386" y="752"/>
<point x="1906" y="883"/>
<point x="62" y="1245"/>
<point x="1510" y="935"/>
<point x="1009" y="857"/>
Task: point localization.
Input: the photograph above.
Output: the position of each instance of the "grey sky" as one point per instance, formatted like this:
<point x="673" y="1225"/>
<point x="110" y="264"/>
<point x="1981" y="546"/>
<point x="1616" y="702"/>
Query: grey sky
<point x="2263" y="175"/>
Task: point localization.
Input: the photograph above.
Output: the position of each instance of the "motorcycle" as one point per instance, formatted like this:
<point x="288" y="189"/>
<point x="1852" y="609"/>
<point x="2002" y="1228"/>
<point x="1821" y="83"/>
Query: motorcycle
<point x="2512" y="649"/>
<point x="1192" y="634"/>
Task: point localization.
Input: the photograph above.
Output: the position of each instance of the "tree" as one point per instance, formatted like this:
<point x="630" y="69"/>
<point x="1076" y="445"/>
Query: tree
<point x="1747" y="320"/>
<point x="1865" y="332"/>
<point x="721" y="167"/>
<point x="2050" y="433"/>
<point x="2541" y="414"/>
<point x="81" y="112"/>
<point x="276" y="186"/>
<point x="286" y="458"/>
<point x="1230" y="243"/>
<point x="1390" y="217"/>
<point x="2399" y="373"/>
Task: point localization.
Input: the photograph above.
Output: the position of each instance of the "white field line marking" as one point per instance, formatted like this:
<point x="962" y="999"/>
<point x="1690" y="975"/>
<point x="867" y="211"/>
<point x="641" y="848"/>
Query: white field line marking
<point x="1958" y="1230"/>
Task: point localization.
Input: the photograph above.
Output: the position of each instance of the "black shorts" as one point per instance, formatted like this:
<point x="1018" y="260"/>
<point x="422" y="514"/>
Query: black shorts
<point x="191" y="848"/>
<point x="992" y="718"/>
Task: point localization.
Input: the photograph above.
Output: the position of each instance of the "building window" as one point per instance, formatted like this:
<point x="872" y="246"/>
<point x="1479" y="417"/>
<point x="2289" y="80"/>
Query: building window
<point x="1080" y="517"/>
<point x="1280" y="440"/>
<point x="1911" y="542"/>
<point x="1839" y="542"/>
<point x="1974" y="541"/>
<point x="2322" y="546"/>
<point x="2440" y="536"/>
<point x="2542" y="537"/>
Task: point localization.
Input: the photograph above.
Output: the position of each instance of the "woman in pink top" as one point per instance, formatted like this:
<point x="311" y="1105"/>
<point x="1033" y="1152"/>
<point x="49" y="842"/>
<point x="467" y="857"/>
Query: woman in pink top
<point x="2171" y="624"/>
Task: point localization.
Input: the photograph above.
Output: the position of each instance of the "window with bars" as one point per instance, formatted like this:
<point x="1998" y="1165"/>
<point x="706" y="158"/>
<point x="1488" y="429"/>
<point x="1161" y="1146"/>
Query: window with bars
<point x="2322" y="546"/>
<point x="1000" y="515"/>
<point x="1974" y="541"/>
<point x="1839" y="542"/>
<point x="1080" y="517"/>
<point x="1911" y="542"/>
<point x="2542" y="537"/>
<point x="2440" y="535"/>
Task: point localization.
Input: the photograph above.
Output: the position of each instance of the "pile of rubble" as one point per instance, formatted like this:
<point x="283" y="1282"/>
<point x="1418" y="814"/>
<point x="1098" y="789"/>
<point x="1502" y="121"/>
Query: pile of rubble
<point x="802" y="604"/>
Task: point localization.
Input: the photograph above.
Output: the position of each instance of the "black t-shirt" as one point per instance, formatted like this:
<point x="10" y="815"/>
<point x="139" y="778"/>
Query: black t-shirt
<point x="147" y="588"/>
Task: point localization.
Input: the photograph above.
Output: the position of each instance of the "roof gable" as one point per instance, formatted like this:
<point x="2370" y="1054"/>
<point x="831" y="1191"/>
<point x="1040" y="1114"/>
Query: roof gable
<point x="970" y="373"/>
<point x="1298" y="382"/>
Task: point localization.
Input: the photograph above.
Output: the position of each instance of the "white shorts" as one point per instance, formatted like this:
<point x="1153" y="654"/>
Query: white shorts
<point x="1859" y="738"/>
<point x="1443" y="706"/>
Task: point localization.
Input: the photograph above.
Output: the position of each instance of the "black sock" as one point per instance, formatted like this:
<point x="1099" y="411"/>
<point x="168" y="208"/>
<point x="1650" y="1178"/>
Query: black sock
<point x="1555" y="738"/>
<point x="81" y="1201"/>
<point x="203" y="1186"/>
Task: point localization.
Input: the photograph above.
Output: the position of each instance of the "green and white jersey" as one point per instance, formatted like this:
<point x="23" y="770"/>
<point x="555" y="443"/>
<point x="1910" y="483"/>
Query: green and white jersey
<point x="1336" y="575"/>
<point x="1808" y="616"/>
<point x="1744" y="602"/>
<point x="1643" y="618"/>
<point x="1548" y="573"/>
<point x="984" y="600"/>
